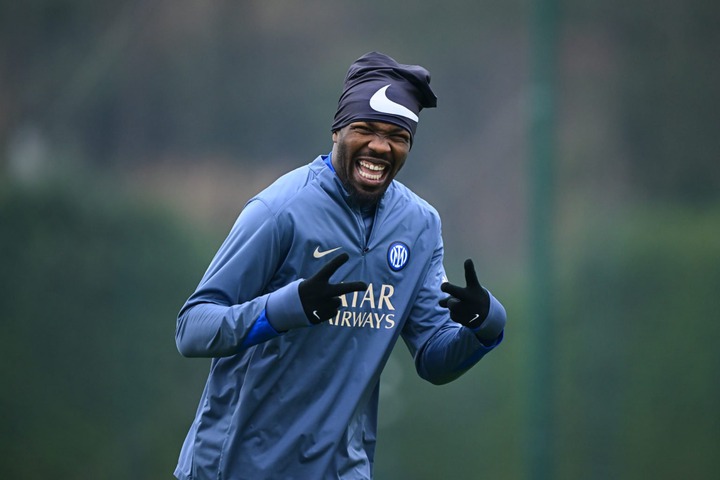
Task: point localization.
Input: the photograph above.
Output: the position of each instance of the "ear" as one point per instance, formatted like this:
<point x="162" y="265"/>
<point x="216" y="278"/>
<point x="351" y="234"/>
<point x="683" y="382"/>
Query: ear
<point x="334" y="136"/>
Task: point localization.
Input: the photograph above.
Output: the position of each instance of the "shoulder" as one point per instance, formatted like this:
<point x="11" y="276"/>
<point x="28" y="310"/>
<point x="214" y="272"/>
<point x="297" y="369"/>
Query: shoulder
<point x="403" y="198"/>
<point x="289" y="189"/>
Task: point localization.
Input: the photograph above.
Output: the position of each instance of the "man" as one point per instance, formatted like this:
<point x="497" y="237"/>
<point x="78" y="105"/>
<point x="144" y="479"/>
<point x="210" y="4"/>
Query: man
<point x="304" y="301"/>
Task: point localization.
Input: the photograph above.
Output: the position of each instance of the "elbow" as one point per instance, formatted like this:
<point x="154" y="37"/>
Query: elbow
<point x="183" y="347"/>
<point x="438" y="379"/>
<point x="436" y="376"/>
<point x="194" y="341"/>
<point x="183" y="340"/>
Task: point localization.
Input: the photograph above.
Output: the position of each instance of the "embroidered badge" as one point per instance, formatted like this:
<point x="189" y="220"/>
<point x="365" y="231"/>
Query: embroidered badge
<point x="398" y="256"/>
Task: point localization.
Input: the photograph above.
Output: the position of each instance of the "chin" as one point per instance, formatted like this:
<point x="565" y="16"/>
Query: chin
<point x="366" y="198"/>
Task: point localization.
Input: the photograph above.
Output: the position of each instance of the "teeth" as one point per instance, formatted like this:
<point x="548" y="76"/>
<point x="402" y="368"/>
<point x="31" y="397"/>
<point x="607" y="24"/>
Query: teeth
<point x="369" y="176"/>
<point x="372" y="166"/>
<point x="367" y="167"/>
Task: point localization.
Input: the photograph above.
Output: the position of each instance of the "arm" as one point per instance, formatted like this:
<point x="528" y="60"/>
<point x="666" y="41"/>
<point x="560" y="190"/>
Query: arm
<point x="444" y="349"/>
<point x="228" y="311"/>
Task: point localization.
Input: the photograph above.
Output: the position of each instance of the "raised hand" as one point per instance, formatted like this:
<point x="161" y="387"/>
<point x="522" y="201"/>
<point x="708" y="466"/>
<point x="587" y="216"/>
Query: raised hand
<point x="321" y="299"/>
<point x="468" y="306"/>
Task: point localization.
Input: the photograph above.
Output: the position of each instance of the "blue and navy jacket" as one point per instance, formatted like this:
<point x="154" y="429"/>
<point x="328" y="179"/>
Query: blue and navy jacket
<point x="289" y="400"/>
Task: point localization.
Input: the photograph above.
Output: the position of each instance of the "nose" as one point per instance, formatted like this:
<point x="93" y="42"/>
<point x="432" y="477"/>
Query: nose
<point x="379" y="144"/>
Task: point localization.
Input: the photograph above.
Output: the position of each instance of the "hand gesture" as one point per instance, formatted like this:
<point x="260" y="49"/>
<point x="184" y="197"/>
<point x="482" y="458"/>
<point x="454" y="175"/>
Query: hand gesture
<point x="321" y="299"/>
<point x="468" y="306"/>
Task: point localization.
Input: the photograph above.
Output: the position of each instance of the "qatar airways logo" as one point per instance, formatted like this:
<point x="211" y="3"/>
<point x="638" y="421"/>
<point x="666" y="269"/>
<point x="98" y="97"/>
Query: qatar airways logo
<point x="371" y="308"/>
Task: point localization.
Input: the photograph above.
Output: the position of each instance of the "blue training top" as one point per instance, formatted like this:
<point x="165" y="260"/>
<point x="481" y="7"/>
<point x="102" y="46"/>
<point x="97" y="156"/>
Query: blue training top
<point x="302" y="404"/>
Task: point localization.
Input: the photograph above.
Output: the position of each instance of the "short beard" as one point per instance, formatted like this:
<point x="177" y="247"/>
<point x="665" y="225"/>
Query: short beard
<point x="357" y="197"/>
<point x="360" y="198"/>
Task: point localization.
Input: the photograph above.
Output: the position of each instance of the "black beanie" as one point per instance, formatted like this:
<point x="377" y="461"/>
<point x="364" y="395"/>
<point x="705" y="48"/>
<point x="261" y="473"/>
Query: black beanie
<point x="378" y="89"/>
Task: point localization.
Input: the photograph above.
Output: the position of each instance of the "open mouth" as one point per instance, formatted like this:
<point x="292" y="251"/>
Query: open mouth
<point x="372" y="172"/>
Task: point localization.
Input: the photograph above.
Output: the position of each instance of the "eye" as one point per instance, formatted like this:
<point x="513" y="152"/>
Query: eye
<point x="362" y="129"/>
<point x="400" y="139"/>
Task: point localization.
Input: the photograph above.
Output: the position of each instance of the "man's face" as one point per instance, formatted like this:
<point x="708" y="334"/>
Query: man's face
<point x="367" y="156"/>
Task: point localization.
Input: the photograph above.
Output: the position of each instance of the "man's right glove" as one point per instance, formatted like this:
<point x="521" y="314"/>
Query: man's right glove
<point x="470" y="306"/>
<point x="321" y="299"/>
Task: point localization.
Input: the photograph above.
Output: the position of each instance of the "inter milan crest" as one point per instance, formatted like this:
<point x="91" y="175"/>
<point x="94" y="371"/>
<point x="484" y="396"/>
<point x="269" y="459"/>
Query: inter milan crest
<point x="398" y="256"/>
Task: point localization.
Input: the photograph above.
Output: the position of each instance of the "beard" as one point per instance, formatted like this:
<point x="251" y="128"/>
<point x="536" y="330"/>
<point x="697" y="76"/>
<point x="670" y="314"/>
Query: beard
<point x="345" y="172"/>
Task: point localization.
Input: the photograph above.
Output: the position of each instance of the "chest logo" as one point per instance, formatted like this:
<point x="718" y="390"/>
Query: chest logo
<point x="398" y="256"/>
<point x="318" y="254"/>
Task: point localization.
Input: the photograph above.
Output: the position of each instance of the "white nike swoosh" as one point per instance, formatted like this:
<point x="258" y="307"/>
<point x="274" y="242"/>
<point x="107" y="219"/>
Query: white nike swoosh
<point x="318" y="254"/>
<point x="381" y="103"/>
<point x="477" y="315"/>
<point x="316" y="315"/>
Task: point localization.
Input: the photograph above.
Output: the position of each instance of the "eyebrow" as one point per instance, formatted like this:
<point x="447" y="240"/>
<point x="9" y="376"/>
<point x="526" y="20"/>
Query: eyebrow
<point x="389" y="130"/>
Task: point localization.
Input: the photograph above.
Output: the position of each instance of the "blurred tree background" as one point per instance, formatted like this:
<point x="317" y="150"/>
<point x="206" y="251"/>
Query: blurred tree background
<point x="132" y="133"/>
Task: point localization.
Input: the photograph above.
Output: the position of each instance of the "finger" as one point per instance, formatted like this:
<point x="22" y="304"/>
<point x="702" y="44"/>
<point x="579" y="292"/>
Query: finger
<point x="449" y="302"/>
<point x="471" y="279"/>
<point x="331" y="267"/>
<point x="444" y="302"/>
<point x="454" y="290"/>
<point x="337" y="289"/>
<point x="453" y="303"/>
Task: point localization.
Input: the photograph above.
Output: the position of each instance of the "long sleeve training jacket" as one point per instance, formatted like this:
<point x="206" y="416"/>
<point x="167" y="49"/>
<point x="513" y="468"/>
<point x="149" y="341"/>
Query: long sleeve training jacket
<point x="289" y="400"/>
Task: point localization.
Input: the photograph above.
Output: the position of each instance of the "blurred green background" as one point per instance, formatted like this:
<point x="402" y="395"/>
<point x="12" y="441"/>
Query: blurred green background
<point x="132" y="133"/>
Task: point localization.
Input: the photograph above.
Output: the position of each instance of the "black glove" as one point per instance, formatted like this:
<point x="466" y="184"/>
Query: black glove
<point x="320" y="299"/>
<point x="468" y="306"/>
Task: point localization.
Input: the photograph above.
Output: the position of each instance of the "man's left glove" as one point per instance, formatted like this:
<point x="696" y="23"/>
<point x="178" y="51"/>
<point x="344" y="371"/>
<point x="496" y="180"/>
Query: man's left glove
<point x="468" y="306"/>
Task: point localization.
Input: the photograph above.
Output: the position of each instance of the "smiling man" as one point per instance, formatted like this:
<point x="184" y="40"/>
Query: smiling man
<point x="319" y="277"/>
<point x="367" y="156"/>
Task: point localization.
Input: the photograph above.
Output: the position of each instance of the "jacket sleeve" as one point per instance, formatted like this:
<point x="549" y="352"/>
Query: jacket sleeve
<point x="228" y="311"/>
<point x="442" y="349"/>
